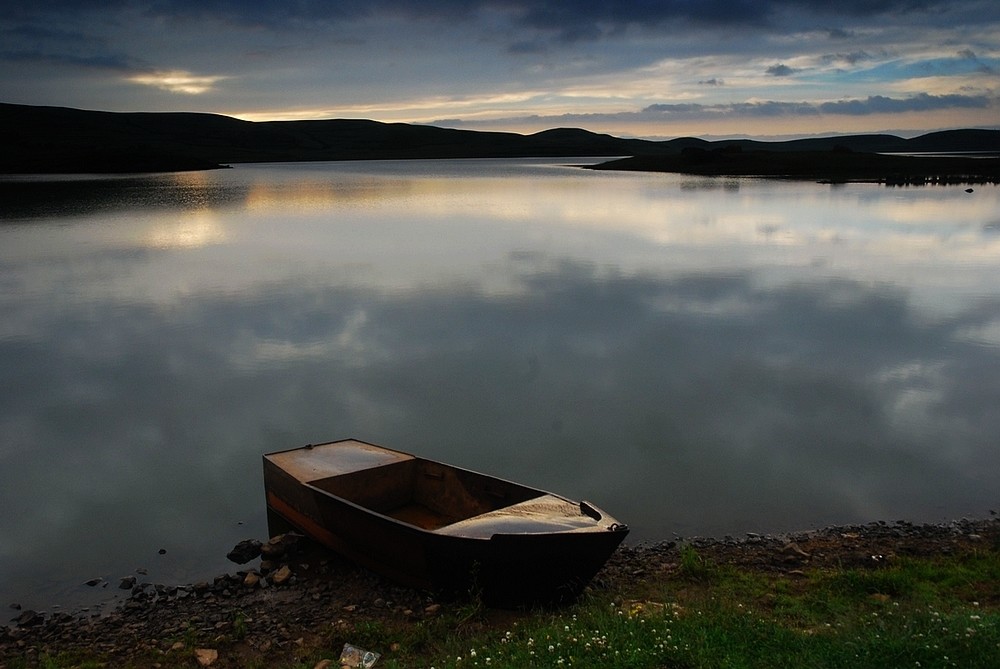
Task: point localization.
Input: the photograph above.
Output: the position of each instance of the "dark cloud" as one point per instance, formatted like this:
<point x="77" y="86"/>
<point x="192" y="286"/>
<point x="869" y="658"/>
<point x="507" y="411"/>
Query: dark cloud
<point x="852" y="58"/>
<point x="584" y="19"/>
<point x="33" y="43"/>
<point x="106" y="61"/>
<point x="712" y="82"/>
<point x="773" y="108"/>
<point x="780" y="70"/>
<point x="764" y="109"/>
<point x="615" y="14"/>
<point x="878" y="104"/>
<point x="970" y="55"/>
<point x="679" y="108"/>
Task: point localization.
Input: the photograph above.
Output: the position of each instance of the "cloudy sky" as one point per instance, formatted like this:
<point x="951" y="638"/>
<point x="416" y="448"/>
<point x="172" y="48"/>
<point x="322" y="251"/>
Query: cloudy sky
<point x="642" y="68"/>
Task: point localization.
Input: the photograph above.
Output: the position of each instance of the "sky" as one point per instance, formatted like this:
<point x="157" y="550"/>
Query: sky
<point x="709" y="68"/>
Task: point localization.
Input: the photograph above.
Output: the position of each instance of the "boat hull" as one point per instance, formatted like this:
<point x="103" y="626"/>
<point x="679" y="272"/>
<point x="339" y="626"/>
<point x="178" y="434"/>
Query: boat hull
<point x="504" y="569"/>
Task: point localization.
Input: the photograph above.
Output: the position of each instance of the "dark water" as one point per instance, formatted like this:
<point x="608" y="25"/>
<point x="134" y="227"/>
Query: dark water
<point x="695" y="356"/>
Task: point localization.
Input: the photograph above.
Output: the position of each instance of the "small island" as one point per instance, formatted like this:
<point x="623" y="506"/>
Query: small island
<point x="839" y="165"/>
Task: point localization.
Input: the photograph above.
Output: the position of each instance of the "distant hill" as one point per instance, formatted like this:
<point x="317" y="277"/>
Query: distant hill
<point x="62" y="140"/>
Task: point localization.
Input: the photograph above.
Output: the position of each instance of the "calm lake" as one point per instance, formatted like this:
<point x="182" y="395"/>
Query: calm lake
<point x="698" y="356"/>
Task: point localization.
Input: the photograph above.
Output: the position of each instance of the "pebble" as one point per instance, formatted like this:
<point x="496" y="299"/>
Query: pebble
<point x="282" y="575"/>
<point x="206" y="656"/>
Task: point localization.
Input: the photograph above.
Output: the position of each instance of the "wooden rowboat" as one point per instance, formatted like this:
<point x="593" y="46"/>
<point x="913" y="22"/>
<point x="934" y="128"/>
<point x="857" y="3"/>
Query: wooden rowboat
<point x="438" y="527"/>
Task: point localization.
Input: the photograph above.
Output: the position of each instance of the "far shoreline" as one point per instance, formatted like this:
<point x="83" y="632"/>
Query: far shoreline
<point x="840" y="165"/>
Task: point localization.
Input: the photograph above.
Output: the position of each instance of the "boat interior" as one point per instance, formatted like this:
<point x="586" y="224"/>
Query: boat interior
<point x="426" y="494"/>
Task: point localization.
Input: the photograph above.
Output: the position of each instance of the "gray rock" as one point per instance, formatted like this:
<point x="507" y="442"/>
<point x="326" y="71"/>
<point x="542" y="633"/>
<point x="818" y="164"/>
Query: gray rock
<point x="244" y="551"/>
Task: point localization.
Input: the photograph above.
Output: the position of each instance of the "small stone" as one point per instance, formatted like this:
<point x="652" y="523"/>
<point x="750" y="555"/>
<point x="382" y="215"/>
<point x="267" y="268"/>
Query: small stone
<point x="282" y="575"/>
<point x="323" y="664"/>
<point x="94" y="581"/>
<point x="127" y="582"/>
<point x="178" y="645"/>
<point x="252" y="579"/>
<point x="206" y="656"/>
<point x="162" y="551"/>
<point x="432" y="609"/>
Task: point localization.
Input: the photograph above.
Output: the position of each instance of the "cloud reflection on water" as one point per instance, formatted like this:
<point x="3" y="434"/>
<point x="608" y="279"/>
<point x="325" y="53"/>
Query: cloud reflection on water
<point x="647" y="394"/>
<point x="710" y="382"/>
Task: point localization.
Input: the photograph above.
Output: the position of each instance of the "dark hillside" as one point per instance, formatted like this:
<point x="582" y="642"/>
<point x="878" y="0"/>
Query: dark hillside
<point x="53" y="140"/>
<point x="61" y="140"/>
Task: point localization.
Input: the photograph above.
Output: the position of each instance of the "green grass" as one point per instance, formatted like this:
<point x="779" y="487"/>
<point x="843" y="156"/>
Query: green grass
<point x="723" y="636"/>
<point x="910" y="613"/>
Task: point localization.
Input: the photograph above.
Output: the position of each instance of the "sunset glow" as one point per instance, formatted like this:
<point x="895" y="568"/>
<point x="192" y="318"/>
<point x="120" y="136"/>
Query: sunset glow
<point x="761" y="67"/>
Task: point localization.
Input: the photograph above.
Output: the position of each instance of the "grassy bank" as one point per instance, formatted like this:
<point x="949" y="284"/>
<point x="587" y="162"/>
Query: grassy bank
<point x="934" y="611"/>
<point x="940" y="612"/>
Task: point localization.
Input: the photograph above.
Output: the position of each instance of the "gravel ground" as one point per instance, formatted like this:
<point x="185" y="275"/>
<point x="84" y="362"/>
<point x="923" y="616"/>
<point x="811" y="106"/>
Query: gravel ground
<point x="268" y="613"/>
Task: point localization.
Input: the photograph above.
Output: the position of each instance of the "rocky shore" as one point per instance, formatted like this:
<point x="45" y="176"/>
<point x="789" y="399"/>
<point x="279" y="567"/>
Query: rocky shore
<point x="291" y="595"/>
